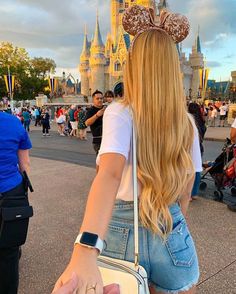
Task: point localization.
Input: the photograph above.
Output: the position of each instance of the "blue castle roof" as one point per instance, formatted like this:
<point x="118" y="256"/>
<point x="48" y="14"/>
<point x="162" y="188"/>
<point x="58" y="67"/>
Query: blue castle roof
<point x="219" y="87"/>
<point x="127" y="40"/>
<point x="198" y="44"/>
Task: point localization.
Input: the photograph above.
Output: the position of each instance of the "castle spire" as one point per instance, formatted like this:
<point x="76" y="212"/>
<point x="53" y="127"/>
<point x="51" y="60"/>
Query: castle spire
<point x="198" y="41"/>
<point x="97" y="40"/>
<point x="85" y="50"/>
<point x="162" y="5"/>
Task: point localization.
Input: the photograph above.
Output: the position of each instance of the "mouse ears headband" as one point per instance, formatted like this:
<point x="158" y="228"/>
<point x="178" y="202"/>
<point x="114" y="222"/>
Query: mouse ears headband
<point x="138" y="19"/>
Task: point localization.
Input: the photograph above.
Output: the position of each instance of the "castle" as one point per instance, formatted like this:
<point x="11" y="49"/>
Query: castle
<point x="101" y="65"/>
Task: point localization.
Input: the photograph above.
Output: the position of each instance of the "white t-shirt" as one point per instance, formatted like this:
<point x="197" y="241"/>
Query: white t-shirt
<point x="223" y="110"/>
<point x="116" y="138"/>
<point x="213" y="113"/>
<point x="234" y="124"/>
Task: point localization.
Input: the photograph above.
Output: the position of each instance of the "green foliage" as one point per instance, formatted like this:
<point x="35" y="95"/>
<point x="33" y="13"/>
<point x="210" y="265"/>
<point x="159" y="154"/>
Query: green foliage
<point x="42" y="67"/>
<point x="30" y="74"/>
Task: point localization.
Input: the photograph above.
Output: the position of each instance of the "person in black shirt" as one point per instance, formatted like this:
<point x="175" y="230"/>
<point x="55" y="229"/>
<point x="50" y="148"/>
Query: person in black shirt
<point x="94" y="119"/>
<point x="45" y="120"/>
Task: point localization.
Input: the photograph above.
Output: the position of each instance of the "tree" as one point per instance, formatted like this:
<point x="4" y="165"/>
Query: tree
<point x="30" y="74"/>
<point x="41" y="67"/>
<point x="15" y="57"/>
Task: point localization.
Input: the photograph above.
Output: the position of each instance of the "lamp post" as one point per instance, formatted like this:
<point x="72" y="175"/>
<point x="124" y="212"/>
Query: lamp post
<point x="10" y="83"/>
<point x="52" y="86"/>
<point x="199" y="93"/>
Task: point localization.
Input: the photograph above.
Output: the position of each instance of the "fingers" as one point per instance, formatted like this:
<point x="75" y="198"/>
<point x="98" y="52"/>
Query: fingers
<point x="68" y="288"/>
<point x="57" y="286"/>
<point x="98" y="289"/>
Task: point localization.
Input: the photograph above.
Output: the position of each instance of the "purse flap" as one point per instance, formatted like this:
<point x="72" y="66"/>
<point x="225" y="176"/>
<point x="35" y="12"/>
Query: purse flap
<point x="124" y="274"/>
<point x="16" y="213"/>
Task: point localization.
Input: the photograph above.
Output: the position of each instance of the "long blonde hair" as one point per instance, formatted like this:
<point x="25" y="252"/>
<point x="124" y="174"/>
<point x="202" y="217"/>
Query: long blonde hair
<point x="154" y="90"/>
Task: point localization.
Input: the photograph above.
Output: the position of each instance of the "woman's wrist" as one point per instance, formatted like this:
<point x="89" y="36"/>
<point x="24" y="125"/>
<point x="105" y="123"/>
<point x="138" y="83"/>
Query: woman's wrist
<point x="86" y="251"/>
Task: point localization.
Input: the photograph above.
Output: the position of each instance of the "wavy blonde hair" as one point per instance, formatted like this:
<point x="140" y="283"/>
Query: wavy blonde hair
<point x="154" y="90"/>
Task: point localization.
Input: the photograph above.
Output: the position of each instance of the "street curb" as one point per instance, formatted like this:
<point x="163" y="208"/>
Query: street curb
<point x="215" y="139"/>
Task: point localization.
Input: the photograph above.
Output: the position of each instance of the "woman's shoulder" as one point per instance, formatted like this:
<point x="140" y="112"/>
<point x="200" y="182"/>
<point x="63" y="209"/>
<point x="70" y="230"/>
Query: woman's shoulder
<point x="118" y="109"/>
<point x="192" y="120"/>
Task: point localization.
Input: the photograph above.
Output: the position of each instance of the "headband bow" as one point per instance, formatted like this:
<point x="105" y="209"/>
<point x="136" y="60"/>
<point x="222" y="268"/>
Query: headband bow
<point x="138" y="19"/>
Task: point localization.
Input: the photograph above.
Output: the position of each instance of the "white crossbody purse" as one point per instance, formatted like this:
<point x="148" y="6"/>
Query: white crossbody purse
<point x="131" y="277"/>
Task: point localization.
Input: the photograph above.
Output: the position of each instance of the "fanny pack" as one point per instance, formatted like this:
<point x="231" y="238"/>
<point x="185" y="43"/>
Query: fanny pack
<point x="15" y="212"/>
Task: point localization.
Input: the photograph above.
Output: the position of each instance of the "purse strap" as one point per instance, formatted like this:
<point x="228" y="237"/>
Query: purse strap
<point x="135" y="191"/>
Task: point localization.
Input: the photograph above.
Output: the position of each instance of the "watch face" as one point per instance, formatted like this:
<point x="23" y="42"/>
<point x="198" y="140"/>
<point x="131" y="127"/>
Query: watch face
<point x="89" y="239"/>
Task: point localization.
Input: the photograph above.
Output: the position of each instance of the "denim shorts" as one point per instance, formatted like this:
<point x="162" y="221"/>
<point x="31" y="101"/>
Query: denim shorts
<point x="171" y="266"/>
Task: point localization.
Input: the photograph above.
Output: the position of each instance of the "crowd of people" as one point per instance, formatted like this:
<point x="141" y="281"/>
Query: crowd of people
<point x="71" y="121"/>
<point x="214" y="111"/>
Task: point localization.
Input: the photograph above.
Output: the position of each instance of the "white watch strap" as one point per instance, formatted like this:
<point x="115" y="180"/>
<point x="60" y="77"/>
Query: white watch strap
<point x="98" y="246"/>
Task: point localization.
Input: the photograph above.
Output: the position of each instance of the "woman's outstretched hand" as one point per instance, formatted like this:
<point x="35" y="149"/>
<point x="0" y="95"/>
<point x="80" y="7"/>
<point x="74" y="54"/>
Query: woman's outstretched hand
<point x="84" y="264"/>
<point x="69" y="287"/>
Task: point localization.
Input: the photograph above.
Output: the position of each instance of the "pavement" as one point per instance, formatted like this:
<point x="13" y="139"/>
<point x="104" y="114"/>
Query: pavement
<point x="217" y="133"/>
<point x="61" y="189"/>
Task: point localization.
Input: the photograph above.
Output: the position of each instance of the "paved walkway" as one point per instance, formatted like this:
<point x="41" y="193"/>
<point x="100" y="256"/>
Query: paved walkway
<point x="217" y="133"/>
<point x="212" y="133"/>
<point x="59" y="200"/>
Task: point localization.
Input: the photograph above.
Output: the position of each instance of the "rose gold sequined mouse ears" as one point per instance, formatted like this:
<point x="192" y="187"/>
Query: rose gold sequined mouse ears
<point x="138" y="19"/>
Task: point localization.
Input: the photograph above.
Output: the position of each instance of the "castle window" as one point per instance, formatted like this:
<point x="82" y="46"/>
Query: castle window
<point x="126" y="4"/>
<point x="117" y="66"/>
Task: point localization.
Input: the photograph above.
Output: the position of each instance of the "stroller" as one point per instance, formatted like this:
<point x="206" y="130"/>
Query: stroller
<point x="222" y="172"/>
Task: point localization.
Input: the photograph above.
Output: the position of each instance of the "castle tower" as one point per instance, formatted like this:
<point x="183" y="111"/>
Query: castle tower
<point x="97" y="61"/>
<point x="162" y="5"/>
<point x="146" y="3"/>
<point x="102" y="66"/>
<point x="84" y="66"/>
<point x="196" y="60"/>
<point x="115" y="7"/>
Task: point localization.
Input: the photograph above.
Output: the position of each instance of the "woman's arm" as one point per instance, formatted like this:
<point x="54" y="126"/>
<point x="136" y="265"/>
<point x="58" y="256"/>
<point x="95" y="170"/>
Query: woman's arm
<point x="96" y="219"/>
<point x="103" y="193"/>
<point x="24" y="160"/>
<point x="186" y="196"/>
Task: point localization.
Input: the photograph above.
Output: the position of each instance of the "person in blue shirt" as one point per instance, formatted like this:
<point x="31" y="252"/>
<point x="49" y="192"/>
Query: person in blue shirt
<point x="26" y="119"/>
<point x="14" y="159"/>
<point x="37" y="117"/>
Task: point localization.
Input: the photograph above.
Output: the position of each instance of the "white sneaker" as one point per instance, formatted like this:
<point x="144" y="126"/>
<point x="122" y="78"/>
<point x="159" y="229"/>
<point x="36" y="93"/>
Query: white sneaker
<point x="62" y="135"/>
<point x="44" y="135"/>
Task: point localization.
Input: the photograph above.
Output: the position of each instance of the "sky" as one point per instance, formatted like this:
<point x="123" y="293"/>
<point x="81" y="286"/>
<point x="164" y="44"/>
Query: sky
<point x="55" y="29"/>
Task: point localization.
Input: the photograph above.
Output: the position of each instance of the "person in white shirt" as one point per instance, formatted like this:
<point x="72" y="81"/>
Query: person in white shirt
<point x="223" y="110"/>
<point x="168" y="156"/>
<point x="212" y="116"/>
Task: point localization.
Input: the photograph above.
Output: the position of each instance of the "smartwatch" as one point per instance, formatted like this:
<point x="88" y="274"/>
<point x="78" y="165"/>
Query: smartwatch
<point x="90" y="240"/>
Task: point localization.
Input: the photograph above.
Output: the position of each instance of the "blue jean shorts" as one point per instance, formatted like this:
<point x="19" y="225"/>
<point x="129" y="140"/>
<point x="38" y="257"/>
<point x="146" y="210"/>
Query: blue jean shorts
<point x="171" y="266"/>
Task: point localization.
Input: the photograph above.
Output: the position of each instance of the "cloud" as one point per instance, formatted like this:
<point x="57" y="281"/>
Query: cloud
<point x="215" y="18"/>
<point x="213" y="64"/>
<point x="55" y="29"/>
<point x="45" y="27"/>
<point x="229" y="56"/>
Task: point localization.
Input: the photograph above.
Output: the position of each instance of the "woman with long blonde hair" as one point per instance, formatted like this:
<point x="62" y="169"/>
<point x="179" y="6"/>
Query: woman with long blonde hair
<point x="168" y="155"/>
